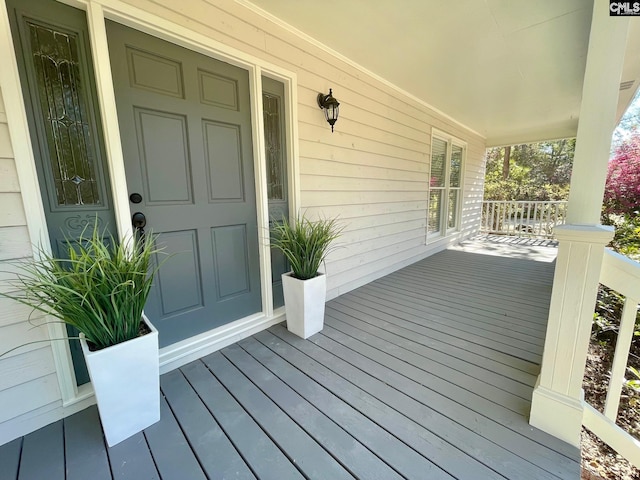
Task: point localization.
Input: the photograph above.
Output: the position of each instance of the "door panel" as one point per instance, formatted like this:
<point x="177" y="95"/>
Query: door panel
<point x="223" y="157"/>
<point x="163" y="135"/>
<point x="182" y="279"/>
<point x="55" y="66"/>
<point x="230" y="256"/>
<point x="186" y="133"/>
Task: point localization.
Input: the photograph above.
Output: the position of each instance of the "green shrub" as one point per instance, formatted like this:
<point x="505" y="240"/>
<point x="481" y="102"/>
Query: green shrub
<point x="305" y="243"/>
<point x="626" y="240"/>
<point x="100" y="289"/>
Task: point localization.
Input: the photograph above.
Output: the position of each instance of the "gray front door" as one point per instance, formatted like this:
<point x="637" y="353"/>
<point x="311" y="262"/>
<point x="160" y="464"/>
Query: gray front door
<point x="54" y="60"/>
<point x="185" y="125"/>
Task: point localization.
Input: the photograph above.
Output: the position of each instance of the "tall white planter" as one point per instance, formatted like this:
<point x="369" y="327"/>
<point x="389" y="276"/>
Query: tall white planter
<point x="304" y="304"/>
<point x="126" y="381"/>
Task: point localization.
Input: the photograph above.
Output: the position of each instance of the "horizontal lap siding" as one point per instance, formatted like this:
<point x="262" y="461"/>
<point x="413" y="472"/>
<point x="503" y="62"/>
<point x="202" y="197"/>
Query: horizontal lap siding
<point x="28" y="382"/>
<point x="373" y="170"/>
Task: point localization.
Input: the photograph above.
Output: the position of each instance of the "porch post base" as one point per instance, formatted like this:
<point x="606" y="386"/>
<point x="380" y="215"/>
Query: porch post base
<point x="557" y="414"/>
<point x="557" y="406"/>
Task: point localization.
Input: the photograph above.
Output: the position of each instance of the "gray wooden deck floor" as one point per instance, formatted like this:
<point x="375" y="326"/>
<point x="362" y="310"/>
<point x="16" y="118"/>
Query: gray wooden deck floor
<point x="424" y="374"/>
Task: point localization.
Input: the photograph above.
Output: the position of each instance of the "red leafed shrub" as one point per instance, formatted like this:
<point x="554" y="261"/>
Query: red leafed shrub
<point x="622" y="191"/>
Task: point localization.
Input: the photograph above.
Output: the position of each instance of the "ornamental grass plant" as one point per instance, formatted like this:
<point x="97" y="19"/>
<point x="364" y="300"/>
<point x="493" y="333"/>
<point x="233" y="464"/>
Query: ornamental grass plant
<point x="100" y="289"/>
<point x="305" y="243"/>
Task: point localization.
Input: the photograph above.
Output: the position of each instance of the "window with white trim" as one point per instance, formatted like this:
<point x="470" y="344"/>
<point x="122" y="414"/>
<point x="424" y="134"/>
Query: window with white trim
<point x="445" y="185"/>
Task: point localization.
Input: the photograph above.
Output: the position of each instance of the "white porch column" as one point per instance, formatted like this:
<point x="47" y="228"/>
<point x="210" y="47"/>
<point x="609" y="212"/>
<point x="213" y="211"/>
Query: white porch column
<point x="557" y="404"/>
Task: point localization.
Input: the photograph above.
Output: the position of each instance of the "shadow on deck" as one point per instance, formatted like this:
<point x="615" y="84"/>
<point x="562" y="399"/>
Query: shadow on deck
<point x="426" y="373"/>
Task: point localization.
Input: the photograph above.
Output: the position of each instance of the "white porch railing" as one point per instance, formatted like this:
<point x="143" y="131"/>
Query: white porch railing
<point x="622" y="275"/>
<point x="523" y="218"/>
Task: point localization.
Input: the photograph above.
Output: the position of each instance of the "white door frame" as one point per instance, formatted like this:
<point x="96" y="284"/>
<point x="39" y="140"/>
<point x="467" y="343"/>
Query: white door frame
<point x="98" y="11"/>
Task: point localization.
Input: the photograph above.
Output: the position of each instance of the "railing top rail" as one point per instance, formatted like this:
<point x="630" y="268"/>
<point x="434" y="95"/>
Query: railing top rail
<point x="621" y="274"/>
<point x="554" y="202"/>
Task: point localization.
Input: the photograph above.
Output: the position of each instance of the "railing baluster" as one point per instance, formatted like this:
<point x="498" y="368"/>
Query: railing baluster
<point x="547" y="220"/>
<point x="494" y="225"/>
<point x="507" y="210"/>
<point x="520" y="218"/>
<point x="620" y="357"/>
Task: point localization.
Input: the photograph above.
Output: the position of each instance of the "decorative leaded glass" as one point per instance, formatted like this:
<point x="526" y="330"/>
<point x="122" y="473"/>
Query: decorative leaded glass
<point x="71" y="147"/>
<point x="273" y="146"/>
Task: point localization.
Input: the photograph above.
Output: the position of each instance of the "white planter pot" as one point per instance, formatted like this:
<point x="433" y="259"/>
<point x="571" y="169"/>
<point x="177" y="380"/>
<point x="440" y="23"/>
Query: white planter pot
<point x="126" y="381"/>
<point x="304" y="304"/>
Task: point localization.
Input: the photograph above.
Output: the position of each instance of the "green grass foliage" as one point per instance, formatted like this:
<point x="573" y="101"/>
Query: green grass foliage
<point x="100" y="289"/>
<point x="305" y="243"/>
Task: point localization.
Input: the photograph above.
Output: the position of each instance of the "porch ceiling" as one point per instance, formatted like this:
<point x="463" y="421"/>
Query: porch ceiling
<point x="510" y="70"/>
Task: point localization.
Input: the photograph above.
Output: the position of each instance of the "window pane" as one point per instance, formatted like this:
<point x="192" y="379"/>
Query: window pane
<point x="456" y="166"/>
<point x="72" y="150"/>
<point x="435" y="208"/>
<point x="273" y="146"/>
<point x="438" y="157"/>
<point x="453" y="208"/>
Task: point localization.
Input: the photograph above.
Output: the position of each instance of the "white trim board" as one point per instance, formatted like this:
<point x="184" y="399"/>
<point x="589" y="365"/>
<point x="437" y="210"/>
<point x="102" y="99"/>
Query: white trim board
<point x="181" y="353"/>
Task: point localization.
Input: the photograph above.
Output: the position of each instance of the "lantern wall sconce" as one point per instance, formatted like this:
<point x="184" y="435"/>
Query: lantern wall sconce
<point x="330" y="106"/>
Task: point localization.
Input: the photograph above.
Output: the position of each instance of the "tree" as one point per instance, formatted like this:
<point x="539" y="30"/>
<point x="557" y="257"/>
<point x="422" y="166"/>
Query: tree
<point x="506" y="162"/>
<point x="540" y="171"/>
<point x="622" y="190"/>
<point x="628" y="123"/>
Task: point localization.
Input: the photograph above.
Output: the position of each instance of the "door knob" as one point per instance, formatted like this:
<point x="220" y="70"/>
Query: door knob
<point x="139" y="221"/>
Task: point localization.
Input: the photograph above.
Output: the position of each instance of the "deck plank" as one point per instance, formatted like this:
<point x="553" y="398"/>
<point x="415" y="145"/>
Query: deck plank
<point x="43" y="454"/>
<point x="446" y="386"/>
<point x="392" y="374"/>
<point x="453" y="275"/>
<point x="85" y="449"/>
<point x="446" y="281"/>
<point x="464" y="363"/>
<point x="170" y="449"/>
<point x="353" y="313"/>
<point x="410" y="318"/>
<point x="302" y="449"/>
<point x="475" y="447"/>
<point x="491" y="334"/>
<point x="377" y="309"/>
<point x="486" y="309"/>
<point x="216" y="454"/>
<point x="445" y="456"/>
<point x="255" y="446"/>
<point x="468" y="300"/>
<point x="350" y="452"/>
<point x="131" y="459"/>
<point x="468" y="310"/>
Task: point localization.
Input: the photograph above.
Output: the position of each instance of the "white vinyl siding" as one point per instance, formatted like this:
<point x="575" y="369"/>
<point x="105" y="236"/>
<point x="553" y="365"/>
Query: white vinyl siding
<point x="28" y="383"/>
